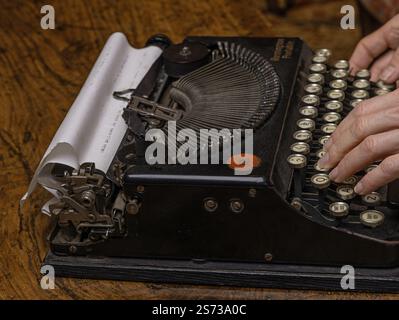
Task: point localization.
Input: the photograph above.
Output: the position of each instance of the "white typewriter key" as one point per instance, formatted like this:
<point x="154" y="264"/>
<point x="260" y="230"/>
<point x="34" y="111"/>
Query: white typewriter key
<point x="336" y="95"/>
<point x="381" y="84"/>
<point x="346" y="192"/>
<point x="370" y="168"/>
<point x="309" y="112"/>
<point x="320" y="153"/>
<point x="342" y="64"/>
<point x="381" y="92"/>
<point x="297" y="161"/>
<point x="317" y="78"/>
<point x="311" y="100"/>
<point x="323" y="140"/>
<point x="360" y="94"/>
<point x="306" y="124"/>
<point x="373" y="199"/>
<point x="318" y="168"/>
<point x="318" y="68"/>
<point x="338" y="84"/>
<point x="319" y="59"/>
<point x="361" y="84"/>
<point x="339" y="209"/>
<point x="314" y="88"/>
<point x="363" y="74"/>
<point x="372" y="218"/>
<point x="339" y="73"/>
<point x="329" y="128"/>
<point x="332" y="117"/>
<point x="351" y="180"/>
<point x="354" y="103"/>
<point x="320" y="181"/>
<point x="303" y="135"/>
<point x="300" y="147"/>
<point x="324" y="52"/>
<point x="334" y="105"/>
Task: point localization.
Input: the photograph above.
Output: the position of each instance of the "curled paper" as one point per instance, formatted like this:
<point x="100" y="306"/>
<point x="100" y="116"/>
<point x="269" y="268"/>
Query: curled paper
<point x="93" y="128"/>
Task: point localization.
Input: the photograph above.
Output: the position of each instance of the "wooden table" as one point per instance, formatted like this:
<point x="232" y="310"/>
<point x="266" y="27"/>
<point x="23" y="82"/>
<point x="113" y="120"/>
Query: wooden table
<point x="41" y="73"/>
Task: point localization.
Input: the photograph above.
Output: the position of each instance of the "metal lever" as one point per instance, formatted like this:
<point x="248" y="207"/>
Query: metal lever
<point x="149" y="108"/>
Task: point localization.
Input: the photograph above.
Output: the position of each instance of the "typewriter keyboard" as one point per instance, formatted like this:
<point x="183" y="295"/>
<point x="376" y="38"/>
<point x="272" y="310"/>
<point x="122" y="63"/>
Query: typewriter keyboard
<point x="330" y="93"/>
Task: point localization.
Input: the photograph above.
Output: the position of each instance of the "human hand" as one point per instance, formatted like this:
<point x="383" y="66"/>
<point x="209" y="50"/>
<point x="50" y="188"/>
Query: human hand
<point x="379" y="51"/>
<point x="369" y="133"/>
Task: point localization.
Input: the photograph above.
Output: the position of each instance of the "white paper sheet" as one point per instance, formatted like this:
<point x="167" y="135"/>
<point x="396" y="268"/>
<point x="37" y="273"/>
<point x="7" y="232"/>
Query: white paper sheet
<point x="93" y="128"/>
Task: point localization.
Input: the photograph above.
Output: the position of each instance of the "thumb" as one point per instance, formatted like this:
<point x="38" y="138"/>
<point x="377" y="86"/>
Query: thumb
<point x="391" y="72"/>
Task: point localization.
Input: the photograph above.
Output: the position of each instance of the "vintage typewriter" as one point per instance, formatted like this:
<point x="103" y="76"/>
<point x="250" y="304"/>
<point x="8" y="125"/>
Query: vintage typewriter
<point x="283" y="225"/>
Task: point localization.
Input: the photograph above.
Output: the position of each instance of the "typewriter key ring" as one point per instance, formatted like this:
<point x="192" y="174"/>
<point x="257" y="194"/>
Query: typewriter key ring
<point x="372" y="218"/>
<point x="339" y="209"/>
<point x="346" y="192"/>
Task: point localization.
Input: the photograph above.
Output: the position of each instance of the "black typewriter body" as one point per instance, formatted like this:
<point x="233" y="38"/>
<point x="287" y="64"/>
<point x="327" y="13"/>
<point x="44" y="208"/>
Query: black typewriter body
<point x="196" y="220"/>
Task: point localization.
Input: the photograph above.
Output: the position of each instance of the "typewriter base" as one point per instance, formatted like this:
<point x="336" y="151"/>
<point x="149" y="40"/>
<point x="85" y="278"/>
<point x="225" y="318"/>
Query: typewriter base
<point x="222" y="273"/>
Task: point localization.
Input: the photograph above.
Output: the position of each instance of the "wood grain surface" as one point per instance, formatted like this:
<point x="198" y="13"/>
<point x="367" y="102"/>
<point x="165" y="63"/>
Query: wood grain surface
<point x="41" y="72"/>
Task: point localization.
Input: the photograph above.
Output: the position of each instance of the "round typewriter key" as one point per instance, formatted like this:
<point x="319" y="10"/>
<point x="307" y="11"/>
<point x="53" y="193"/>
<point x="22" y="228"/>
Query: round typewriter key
<point x="372" y="218"/>
<point x="334" y="105"/>
<point x="354" y="103"/>
<point x="381" y="84"/>
<point x="338" y="84"/>
<point x="381" y="92"/>
<point x="318" y="168"/>
<point x="329" y="128"/>
<point x="297" y="161"/>
<point x="339" y="209"/>
<point x="318" y="68"/>
<point x="309" y="112"/>
<point x="314" y="88"/>
<point x="320" y="153"/>
<point x="311" y="100"/>
<point x="320" y="181"/>
<point x="300" y="147"/>
<point x="332" y="117"/>
<point x="323" y="140"/>
<point x="324" y="52"/>
<point x="336" y="95"/>
<point x="363" y="74"/>
<point x="317" y="78"/>
<point x="306" y="124"/>
<point x="370" y="168"/>
<point x="303" y="135"/>
<point x="351" y="180"/>
<point x="346" y="192"/>
<point x="373" y="199"/>
<point x="342" y="64"/>
<point x="361" y="84"/>
<point x="360" y="94"/>
<point x="339" y="73"/>
<point x="319" y="59"/>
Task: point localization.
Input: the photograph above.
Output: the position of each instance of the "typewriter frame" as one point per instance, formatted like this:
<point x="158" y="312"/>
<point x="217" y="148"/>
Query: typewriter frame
<point x="257" y="267"/>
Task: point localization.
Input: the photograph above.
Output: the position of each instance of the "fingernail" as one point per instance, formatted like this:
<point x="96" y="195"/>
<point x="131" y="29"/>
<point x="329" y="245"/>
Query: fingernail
<point x="359" y="188"/>
<point x="334" y="174"/>
<point x="387" y="74"/>
<point x="323" y="161"/>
